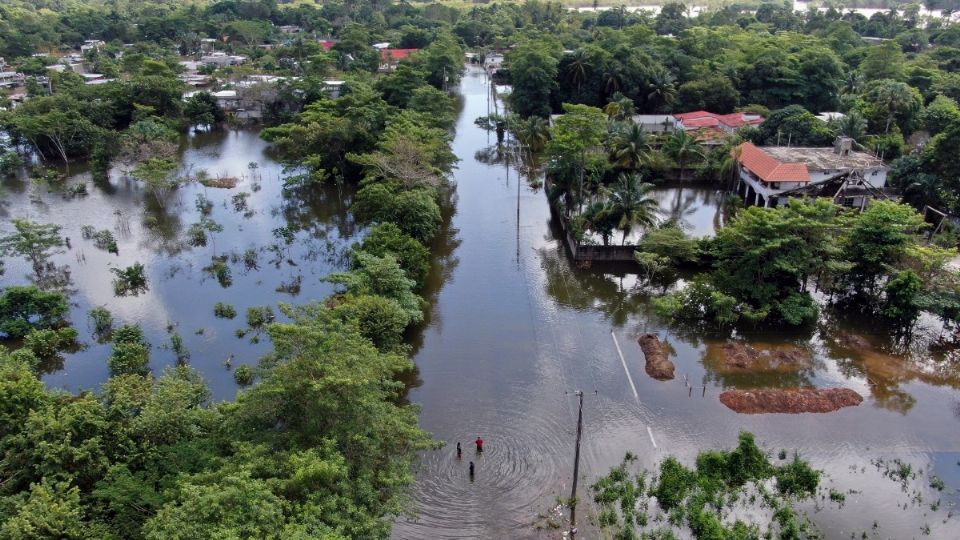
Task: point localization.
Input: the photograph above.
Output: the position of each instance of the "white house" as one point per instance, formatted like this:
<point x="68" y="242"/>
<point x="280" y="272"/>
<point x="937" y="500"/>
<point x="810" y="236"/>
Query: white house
<point x="221" y="59"/>
<point x="657" y="123"/>
<point x="768" y="174"/>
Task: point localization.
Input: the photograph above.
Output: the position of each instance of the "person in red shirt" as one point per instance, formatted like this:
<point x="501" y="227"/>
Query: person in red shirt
<point x="479" y="443"/>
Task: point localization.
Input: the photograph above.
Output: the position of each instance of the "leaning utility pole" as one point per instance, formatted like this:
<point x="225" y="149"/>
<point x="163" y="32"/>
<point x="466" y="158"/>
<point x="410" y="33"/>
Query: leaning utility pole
<point x="576" y="469"/>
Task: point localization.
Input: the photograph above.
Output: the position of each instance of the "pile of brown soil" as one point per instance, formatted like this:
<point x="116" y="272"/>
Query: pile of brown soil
<point x="736" y="355"/>
<point x="658" y="365"/>
<point x="790" y="401"/>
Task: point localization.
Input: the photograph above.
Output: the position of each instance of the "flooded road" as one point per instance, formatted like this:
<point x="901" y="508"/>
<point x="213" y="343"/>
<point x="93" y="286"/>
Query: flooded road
<point x="516" y="328"/>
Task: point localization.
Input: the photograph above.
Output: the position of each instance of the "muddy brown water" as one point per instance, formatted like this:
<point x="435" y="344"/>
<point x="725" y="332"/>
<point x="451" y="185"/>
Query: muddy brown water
<point x="513" y="329"/>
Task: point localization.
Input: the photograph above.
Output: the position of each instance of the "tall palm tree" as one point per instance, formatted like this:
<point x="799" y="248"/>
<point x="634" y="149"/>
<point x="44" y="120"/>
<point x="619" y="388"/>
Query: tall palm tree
<point x="630" y="200"/>
<point x="852" y="82"/>
<point x="682" y="147"/>
<point x="662" y="89"/>
<point x="579" y="69"/>
<point x="629" y="147"/>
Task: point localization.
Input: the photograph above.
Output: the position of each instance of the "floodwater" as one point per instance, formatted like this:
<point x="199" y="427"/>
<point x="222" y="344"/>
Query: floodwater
<point x="264" y="270"/>
<point x="515" y="328"/>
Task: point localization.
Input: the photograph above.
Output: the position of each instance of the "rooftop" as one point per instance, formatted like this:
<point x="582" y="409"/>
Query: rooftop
<point x="771" y="168"/>
<point x="824" y="159"/>
<point x="704" y="119"/>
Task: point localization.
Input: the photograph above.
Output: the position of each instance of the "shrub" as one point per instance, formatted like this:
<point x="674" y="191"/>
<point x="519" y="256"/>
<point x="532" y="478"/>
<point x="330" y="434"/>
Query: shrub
<point x="45" y="344"/>
<point x="244" y="375"/>
<point x="179" y="349"/>
<point x="130" y="280"/>
<point x="129" y="358"/>
<point x="413" y="257"/>
<point x="224" y="311"/>
<point x="129" y="333"/>
<point x="258" y="316"/>
<point x="102" y="321"/>
<point x="23" y="309"/>
<point x="379" y="319"/>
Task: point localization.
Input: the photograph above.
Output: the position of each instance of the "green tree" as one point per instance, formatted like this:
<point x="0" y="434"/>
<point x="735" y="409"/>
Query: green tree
<point x="883" y="61"/>
<point x="51" y="511"/>
<point x="939" y="114"/>
<point x="381" y="276"/>
<point x="631" y="203"/>
<point x="203" y="110"/>
<point x="890" y="101"/>
<point x="159" y="175"/>
<point x="878" y="237"/>
<point x="683" y="148"/>
<point x="577" y="133"/>
<point x="533" y="69"/>
<point x="36" y="242"/>
<point x="411" y="255"/>
<point x="23" y="309"/>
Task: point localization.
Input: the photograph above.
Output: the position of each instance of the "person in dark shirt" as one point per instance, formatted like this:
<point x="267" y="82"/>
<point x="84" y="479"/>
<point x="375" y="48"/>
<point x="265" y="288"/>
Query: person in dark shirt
<point x="459" y="450"/>
<point x="471" y="470"/>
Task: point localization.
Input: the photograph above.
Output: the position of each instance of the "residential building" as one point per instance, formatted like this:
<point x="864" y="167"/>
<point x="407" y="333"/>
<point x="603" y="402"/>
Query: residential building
<point x="91" y="45"/>
<point x="389" y="58"/>
<point x="333" y="88"/>
<point x="290" y="29"/>
<point x="829" y="116"/>
<point x="657" y="123"/>
<point x="221" y="59"/>
<point x="713" y="127"/>
<point x="10" y="79"/>
<point x="768" y="175"/>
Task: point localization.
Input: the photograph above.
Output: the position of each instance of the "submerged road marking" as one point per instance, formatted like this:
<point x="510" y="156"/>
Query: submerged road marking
<point x="625" y="370"/>
<point x="636" y="396"/>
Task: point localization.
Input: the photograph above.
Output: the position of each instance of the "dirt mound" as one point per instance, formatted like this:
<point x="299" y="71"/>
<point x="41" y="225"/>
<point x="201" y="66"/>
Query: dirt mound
<point x="658" y="365"/>
<point x="853" y="341"/>
<point x="790" y="401"/>
<point x="739" y="355"/>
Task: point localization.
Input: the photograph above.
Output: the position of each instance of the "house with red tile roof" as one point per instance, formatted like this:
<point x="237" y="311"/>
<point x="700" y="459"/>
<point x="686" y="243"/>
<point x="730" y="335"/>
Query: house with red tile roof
<point x="389" y="58"/>
<point x="713" y="126"/>
<point x="768" y="174"/>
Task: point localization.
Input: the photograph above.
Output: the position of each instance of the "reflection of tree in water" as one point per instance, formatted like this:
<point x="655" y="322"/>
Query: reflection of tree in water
<point x="888" y="362"/>
<point x="685" y="205"/>
<point x="163" y="228"/>
<point x="610" y="291"/>
<point x="508" y="154"/>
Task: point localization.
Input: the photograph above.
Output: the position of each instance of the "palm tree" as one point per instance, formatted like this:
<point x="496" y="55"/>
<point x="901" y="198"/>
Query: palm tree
<point x="662" y="88"/>
<point x="579" y="69"/>
<point x="599" y="218"/>
<point x="629" y="147"/>
<point x="533" y="132"/>
<point x="620" y="107"/>
<point x="853" y="125"/>
<point x="681" y="146"/>
<point x="630" y="201"/>
<point x="852" y="82"/>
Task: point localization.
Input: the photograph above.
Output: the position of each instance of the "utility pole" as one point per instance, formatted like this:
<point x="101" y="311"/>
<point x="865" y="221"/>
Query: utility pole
<point x="576" y="469"/>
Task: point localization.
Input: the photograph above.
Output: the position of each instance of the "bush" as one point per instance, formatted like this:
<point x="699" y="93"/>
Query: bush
<point x="129" y="359"/>
<point x="797" y="478"/>
<point x="413" y="257"/>
<point x="130" y="280"/>
<point x="415" y="212"/>
<point x="379" y="319"/>
<point x="23" y="309"/>
<point x="221" y="270"/>
<point x="258" y="316"/>
<point x="102" y="321"/>
<point x="129" y="333"/>
<point x="224" y="311"/>
<point x="244" y="375"/>
<point x="179" y="348"/>
<point x="45" y="344"/>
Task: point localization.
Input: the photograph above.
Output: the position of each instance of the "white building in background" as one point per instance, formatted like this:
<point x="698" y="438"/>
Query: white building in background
<point x="657" y="123"/>
<point x="221" y="59"/>
<point x="91" y="45"/>
<point x="768" y="174"/>
<point x="10" y="79"/>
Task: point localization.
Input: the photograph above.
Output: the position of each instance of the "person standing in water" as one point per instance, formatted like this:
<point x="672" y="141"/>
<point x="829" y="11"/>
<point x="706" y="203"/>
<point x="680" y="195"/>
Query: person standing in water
<point x="459" y="450"/>
<point x="479" y="443"/>
<point x="471" y="471"/>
